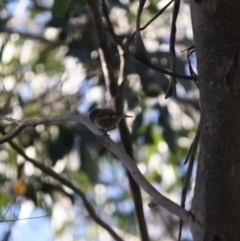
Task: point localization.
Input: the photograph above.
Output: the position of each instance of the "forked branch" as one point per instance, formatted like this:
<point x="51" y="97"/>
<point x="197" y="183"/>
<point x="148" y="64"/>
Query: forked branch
<point x="157" y="197"/>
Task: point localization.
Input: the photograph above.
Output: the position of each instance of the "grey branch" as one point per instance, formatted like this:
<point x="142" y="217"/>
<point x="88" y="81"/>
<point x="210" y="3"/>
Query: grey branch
<point x="21" y="125"/>
<point x="157" y="197"/>
<point x="47" y="170"/>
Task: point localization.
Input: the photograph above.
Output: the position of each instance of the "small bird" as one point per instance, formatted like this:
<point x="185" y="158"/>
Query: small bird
<point x="106" y="119"/>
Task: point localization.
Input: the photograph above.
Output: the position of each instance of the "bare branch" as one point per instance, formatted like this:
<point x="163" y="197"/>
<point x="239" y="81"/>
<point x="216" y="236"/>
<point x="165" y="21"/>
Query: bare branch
<point x="10" y="119"/>
<point x="47" y="120"/>
<point x="158" y="198"/>
<point x="19" y="219"/>
<point x="173" y="81"/>
<point x="190" y="51"/>
<point x="190" y="158"/>
<point x="141" y="54"/>
<point x="111" y="29"/>
<point x="123" y="129"/>
<point x="120" y="47"/>
<point x="151" y="20"/>
<point x="47" y="170"/>
<point x="104" y="54"/>
<point x="16" y="195"/>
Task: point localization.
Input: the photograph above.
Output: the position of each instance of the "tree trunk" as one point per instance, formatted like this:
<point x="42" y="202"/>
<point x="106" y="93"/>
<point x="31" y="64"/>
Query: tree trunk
<point x="216" y="201"/>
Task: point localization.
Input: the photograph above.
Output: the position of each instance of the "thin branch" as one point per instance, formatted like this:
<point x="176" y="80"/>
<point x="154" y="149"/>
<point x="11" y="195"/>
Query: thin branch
<point x="151" y="20"/>
<point x="19" y="219"/>
<point x="47" y="170"/>
<point x="48" y="120"/>
<point x="190" y="51"/>
<point x="173" y="81"/>
<point x="111" y="29"/>
<point x="120" y="47"/>
<point x="104" y="54"/>
<point x="141" y="54"/>
<point x="128" y="147"/>
<point x="124" y="132"/>
<point x="190" y="158"/>
<point x="157" y="197"/>
<point x="10" y="119"/>
<point x="16" y="195"/>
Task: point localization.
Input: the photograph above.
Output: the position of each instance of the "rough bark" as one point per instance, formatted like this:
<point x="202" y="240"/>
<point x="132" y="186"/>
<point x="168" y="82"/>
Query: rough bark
<point x="216" y="201"/>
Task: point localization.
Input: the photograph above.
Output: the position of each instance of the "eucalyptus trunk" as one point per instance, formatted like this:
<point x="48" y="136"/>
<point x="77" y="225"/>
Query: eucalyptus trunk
<point x="216" y="201"/>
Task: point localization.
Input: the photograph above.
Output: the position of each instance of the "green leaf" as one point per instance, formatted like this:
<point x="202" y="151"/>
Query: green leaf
<point x="60" y="7"/>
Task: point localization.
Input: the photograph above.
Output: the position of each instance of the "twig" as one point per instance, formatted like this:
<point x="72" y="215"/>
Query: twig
<point x="11" y="203"/>
<point x="172" y="85"/>
<point x="190" y="158"/>
<point x="190" y="51"/>
<point x="19" y="219"/>
<point x="151" y="20"/>
<point x="141" y="54"/>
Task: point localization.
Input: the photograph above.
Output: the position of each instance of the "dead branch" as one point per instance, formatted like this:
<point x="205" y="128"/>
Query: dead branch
<point x="131" y="166"/>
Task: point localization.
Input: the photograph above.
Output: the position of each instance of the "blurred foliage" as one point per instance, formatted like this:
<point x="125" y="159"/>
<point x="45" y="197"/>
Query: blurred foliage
<point x="50" y="65"/>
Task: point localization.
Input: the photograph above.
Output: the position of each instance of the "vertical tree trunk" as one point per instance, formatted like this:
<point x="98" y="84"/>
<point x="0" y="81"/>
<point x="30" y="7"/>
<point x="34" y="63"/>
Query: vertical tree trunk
<point x="216" y="201"/>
